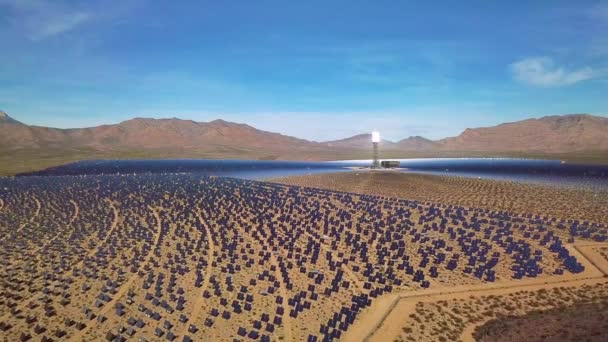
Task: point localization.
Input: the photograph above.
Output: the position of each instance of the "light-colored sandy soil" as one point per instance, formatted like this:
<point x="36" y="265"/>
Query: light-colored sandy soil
<point x="112" y="229"/>
<point x="200" y="304"/>
<point x="59" y="232"/>
<point x="31" y="219"/>
<point x="288" y="326"/>
<point x="603" y="251"/>
<point x="36" y="213"/>
<point x="401" y="325"/>
<point x="592" y="252"/>
<point x="259" y="253"/>
<point x="125" y="287"/>
<point x="384" y="320"/>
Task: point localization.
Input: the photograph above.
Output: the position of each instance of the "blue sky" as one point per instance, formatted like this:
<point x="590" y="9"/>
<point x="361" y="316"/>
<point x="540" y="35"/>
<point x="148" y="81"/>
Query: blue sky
<point x="314" y="69"/>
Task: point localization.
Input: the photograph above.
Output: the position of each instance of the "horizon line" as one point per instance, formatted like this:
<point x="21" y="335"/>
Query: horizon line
<point x="296" y="137"/>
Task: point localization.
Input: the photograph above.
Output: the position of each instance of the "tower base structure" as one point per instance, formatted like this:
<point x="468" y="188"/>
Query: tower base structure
<point x="375" y="162"/>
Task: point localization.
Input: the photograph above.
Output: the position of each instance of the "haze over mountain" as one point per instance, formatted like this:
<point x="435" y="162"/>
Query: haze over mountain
<point x="362" y="141"/>
<point x="359" y="141"/>
<point x="416" y="143"/>
<point x="223" y="139"/>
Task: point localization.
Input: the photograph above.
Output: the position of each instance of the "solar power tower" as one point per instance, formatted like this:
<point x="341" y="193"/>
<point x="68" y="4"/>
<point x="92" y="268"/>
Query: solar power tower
<point x="375" y="142"/>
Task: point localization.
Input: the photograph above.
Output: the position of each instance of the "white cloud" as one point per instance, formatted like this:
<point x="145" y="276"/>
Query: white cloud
<point x="41" y="19"/>
<point x="59" y="25"/>
<point x="541" y="71"/>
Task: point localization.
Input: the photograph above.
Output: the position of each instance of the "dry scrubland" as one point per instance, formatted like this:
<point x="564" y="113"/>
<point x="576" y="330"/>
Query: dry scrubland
<point x="558" y="314"/>
<point x="578" y="322"/>
<point x="183" y="257"/>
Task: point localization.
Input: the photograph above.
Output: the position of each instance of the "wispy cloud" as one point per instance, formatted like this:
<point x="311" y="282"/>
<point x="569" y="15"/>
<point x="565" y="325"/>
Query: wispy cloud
<point x="542" y="71"/>
<point x="42" y="19"/>
<point x="599" y="11"/>
<point x="61" y="24"/>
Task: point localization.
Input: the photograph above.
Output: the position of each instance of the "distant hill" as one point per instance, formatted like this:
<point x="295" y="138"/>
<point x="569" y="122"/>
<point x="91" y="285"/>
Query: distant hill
<point x="363" y="141"/>
<point x="550" y="134"/>
<point x="359" y="141"/>
<point x="142" y="133"/>
<point x="574" y="134"/>
<point x="416" y="143"/>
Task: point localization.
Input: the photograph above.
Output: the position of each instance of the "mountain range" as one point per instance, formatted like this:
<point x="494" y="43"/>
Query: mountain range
<point x="165" y="138"/>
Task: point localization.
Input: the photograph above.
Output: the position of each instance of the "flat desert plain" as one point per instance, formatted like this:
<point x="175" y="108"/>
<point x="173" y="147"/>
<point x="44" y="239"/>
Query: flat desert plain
<point x="332" y="257"/>
<point x="554" y="308"/>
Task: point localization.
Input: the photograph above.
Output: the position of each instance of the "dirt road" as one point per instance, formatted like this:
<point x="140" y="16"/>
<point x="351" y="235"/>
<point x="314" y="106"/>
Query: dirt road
<point x="20" y="228"/>
<point x="384" y="320"/>
<point x="124" y="288"/>
<point x="287" y="325"/>
<point x="199" y="304"/>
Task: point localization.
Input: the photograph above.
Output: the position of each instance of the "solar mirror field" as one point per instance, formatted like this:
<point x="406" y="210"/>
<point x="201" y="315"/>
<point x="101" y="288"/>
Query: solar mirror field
<point x="198" y="258"/>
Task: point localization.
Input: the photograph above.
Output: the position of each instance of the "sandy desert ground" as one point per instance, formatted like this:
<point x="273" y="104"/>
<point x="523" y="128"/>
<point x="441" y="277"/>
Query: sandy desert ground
<point x="578" y="322"/>
<point x="563" y="203"/>
<point x="184" y="257"/>
<point x="501" y="311"/>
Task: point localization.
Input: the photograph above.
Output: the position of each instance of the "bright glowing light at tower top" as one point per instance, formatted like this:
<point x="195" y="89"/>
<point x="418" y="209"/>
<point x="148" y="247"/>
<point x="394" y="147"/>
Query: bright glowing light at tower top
<point x="375" y="137"/>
